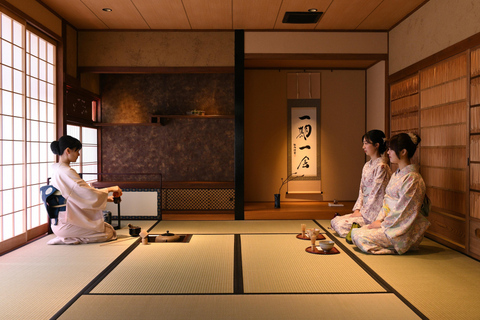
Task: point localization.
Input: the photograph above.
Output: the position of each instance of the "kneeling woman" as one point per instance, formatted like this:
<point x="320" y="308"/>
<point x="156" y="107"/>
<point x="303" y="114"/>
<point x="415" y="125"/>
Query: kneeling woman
<point x="399" y="225"/>
<point x="375" y="176"/>
<point x="82" y="221"/>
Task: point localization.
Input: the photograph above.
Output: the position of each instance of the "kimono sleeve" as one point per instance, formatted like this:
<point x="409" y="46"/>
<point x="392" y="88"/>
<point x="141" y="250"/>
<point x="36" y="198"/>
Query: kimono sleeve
<point x="84" y="196"/>
<point x="359" y="204"/>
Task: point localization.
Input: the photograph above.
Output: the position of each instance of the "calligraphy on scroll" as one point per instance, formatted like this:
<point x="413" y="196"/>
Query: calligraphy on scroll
<point x="304" y="141"/>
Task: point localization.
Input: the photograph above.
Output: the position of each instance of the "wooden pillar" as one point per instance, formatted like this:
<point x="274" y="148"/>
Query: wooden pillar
<point x="239" y="125"/>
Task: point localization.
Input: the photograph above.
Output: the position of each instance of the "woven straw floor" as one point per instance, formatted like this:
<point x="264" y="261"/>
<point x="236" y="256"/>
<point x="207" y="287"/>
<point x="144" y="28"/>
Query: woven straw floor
<point x="279" y="263"/>
<point x="234" y="270"/>
<point x="240" y="307"/>
<point x="204" y="265"/>
<point x="440" y="282"/>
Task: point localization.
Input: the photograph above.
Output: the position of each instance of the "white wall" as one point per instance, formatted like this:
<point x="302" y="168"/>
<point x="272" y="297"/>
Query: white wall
<point x="135" y="204"/>
<point x="434" y="27"/>
<point x="376" y="97"/>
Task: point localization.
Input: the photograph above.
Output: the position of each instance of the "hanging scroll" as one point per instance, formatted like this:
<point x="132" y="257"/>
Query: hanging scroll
<point x="304" y="141"/>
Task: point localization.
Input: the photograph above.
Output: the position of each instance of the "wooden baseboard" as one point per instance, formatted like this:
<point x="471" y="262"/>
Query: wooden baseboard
<point x="293" y="210"/>
<point x="289" y="210"/>
<point x="198" y="216"/>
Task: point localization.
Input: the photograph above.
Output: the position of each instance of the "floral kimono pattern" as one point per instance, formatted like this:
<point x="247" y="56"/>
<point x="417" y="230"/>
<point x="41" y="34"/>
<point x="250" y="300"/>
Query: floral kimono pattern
<point x="375" y="176"/>
<point x="403" y="226"/>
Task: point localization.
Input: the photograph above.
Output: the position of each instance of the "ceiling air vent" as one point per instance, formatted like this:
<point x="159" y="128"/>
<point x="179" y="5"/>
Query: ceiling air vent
<point x="301" y="17"/>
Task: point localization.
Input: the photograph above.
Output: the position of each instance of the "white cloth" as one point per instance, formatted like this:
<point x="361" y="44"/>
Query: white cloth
<point x="83" y="221"/>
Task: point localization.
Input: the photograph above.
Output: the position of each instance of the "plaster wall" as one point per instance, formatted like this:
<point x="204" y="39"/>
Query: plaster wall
<point x="376" y="97"/>
<point x="156" y="49"/>
<point x="434" y="27"/>
<point x="316" y="42"/>
<point x="342" y="126"/>
<point x="39" y="13"/>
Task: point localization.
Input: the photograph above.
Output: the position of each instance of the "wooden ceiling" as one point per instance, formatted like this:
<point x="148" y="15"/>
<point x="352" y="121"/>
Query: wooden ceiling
<point x="264" y="15"/>
<point x="231" y="14"/>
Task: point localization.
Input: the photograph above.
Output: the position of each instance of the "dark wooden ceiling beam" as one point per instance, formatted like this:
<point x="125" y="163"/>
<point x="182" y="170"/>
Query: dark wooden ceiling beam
<point x="315" y="56"/>
<point x="123" y="70"/>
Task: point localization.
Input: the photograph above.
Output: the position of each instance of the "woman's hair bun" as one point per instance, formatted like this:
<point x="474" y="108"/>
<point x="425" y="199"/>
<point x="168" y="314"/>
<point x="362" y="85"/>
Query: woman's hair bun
<point x="55" y="147"/>
<point x="415" y="138"/>
<point x="58" y="147"/>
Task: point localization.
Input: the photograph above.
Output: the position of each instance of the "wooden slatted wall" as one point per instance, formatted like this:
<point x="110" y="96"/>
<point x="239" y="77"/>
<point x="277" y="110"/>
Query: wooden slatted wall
<point x="474" y="229"/>
<point x="404" y="102"/>
<point x="443" y="152"/>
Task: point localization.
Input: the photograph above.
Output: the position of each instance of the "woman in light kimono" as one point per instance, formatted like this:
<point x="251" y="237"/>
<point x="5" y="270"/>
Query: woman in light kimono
<point x="400" y="226"/>
<point x="375" y="176"/>
<point x="82" y="221"/>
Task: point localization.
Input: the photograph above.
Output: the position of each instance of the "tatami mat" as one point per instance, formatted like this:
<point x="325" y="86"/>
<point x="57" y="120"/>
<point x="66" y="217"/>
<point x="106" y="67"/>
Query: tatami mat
<point x="38" y="279"/>
<point x="440" y="282"/>
<point x="233" y="227"/>
<point x="196" y="280"/>
<point x="204" y="265"/>
<point x="279" y="264"/>
<point x="240" y="307"/>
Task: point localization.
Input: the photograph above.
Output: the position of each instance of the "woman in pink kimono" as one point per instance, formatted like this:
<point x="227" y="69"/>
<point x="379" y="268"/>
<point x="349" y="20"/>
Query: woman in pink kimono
<point x="82" y="221"/>
<point x="375" y="176"/>
<point x="400" y="226"/>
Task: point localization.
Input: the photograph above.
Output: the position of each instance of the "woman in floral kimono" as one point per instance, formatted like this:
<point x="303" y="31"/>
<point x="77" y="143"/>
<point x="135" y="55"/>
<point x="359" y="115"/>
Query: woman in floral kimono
<point x="82" y="220"/>
<point x="400" y="226"/>
<point x="375" y="176"/>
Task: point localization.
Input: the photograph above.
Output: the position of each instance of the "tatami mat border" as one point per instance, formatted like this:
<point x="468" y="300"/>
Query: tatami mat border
<point x="231" y="294"/>
<point x="372" y="273"/>
<point x="89" y="287"/>
<point x="237" y="266"/>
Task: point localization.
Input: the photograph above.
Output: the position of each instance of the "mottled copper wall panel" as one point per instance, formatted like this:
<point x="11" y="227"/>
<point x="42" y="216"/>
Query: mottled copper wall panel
<point x="132" y="98"/>
<point x="182" y="150"/>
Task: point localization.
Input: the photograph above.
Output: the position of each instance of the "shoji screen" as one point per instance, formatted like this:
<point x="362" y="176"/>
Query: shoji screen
<point x="475" y="152"/>
<point x="443" y="152"/>
<point x="404" y="109"/>
<point x="27" y="126"/>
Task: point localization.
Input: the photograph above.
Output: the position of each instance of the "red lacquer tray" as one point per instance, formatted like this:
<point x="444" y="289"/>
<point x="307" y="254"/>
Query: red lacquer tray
<point x="319" y="237"/>
<point x="316" y="251"/>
